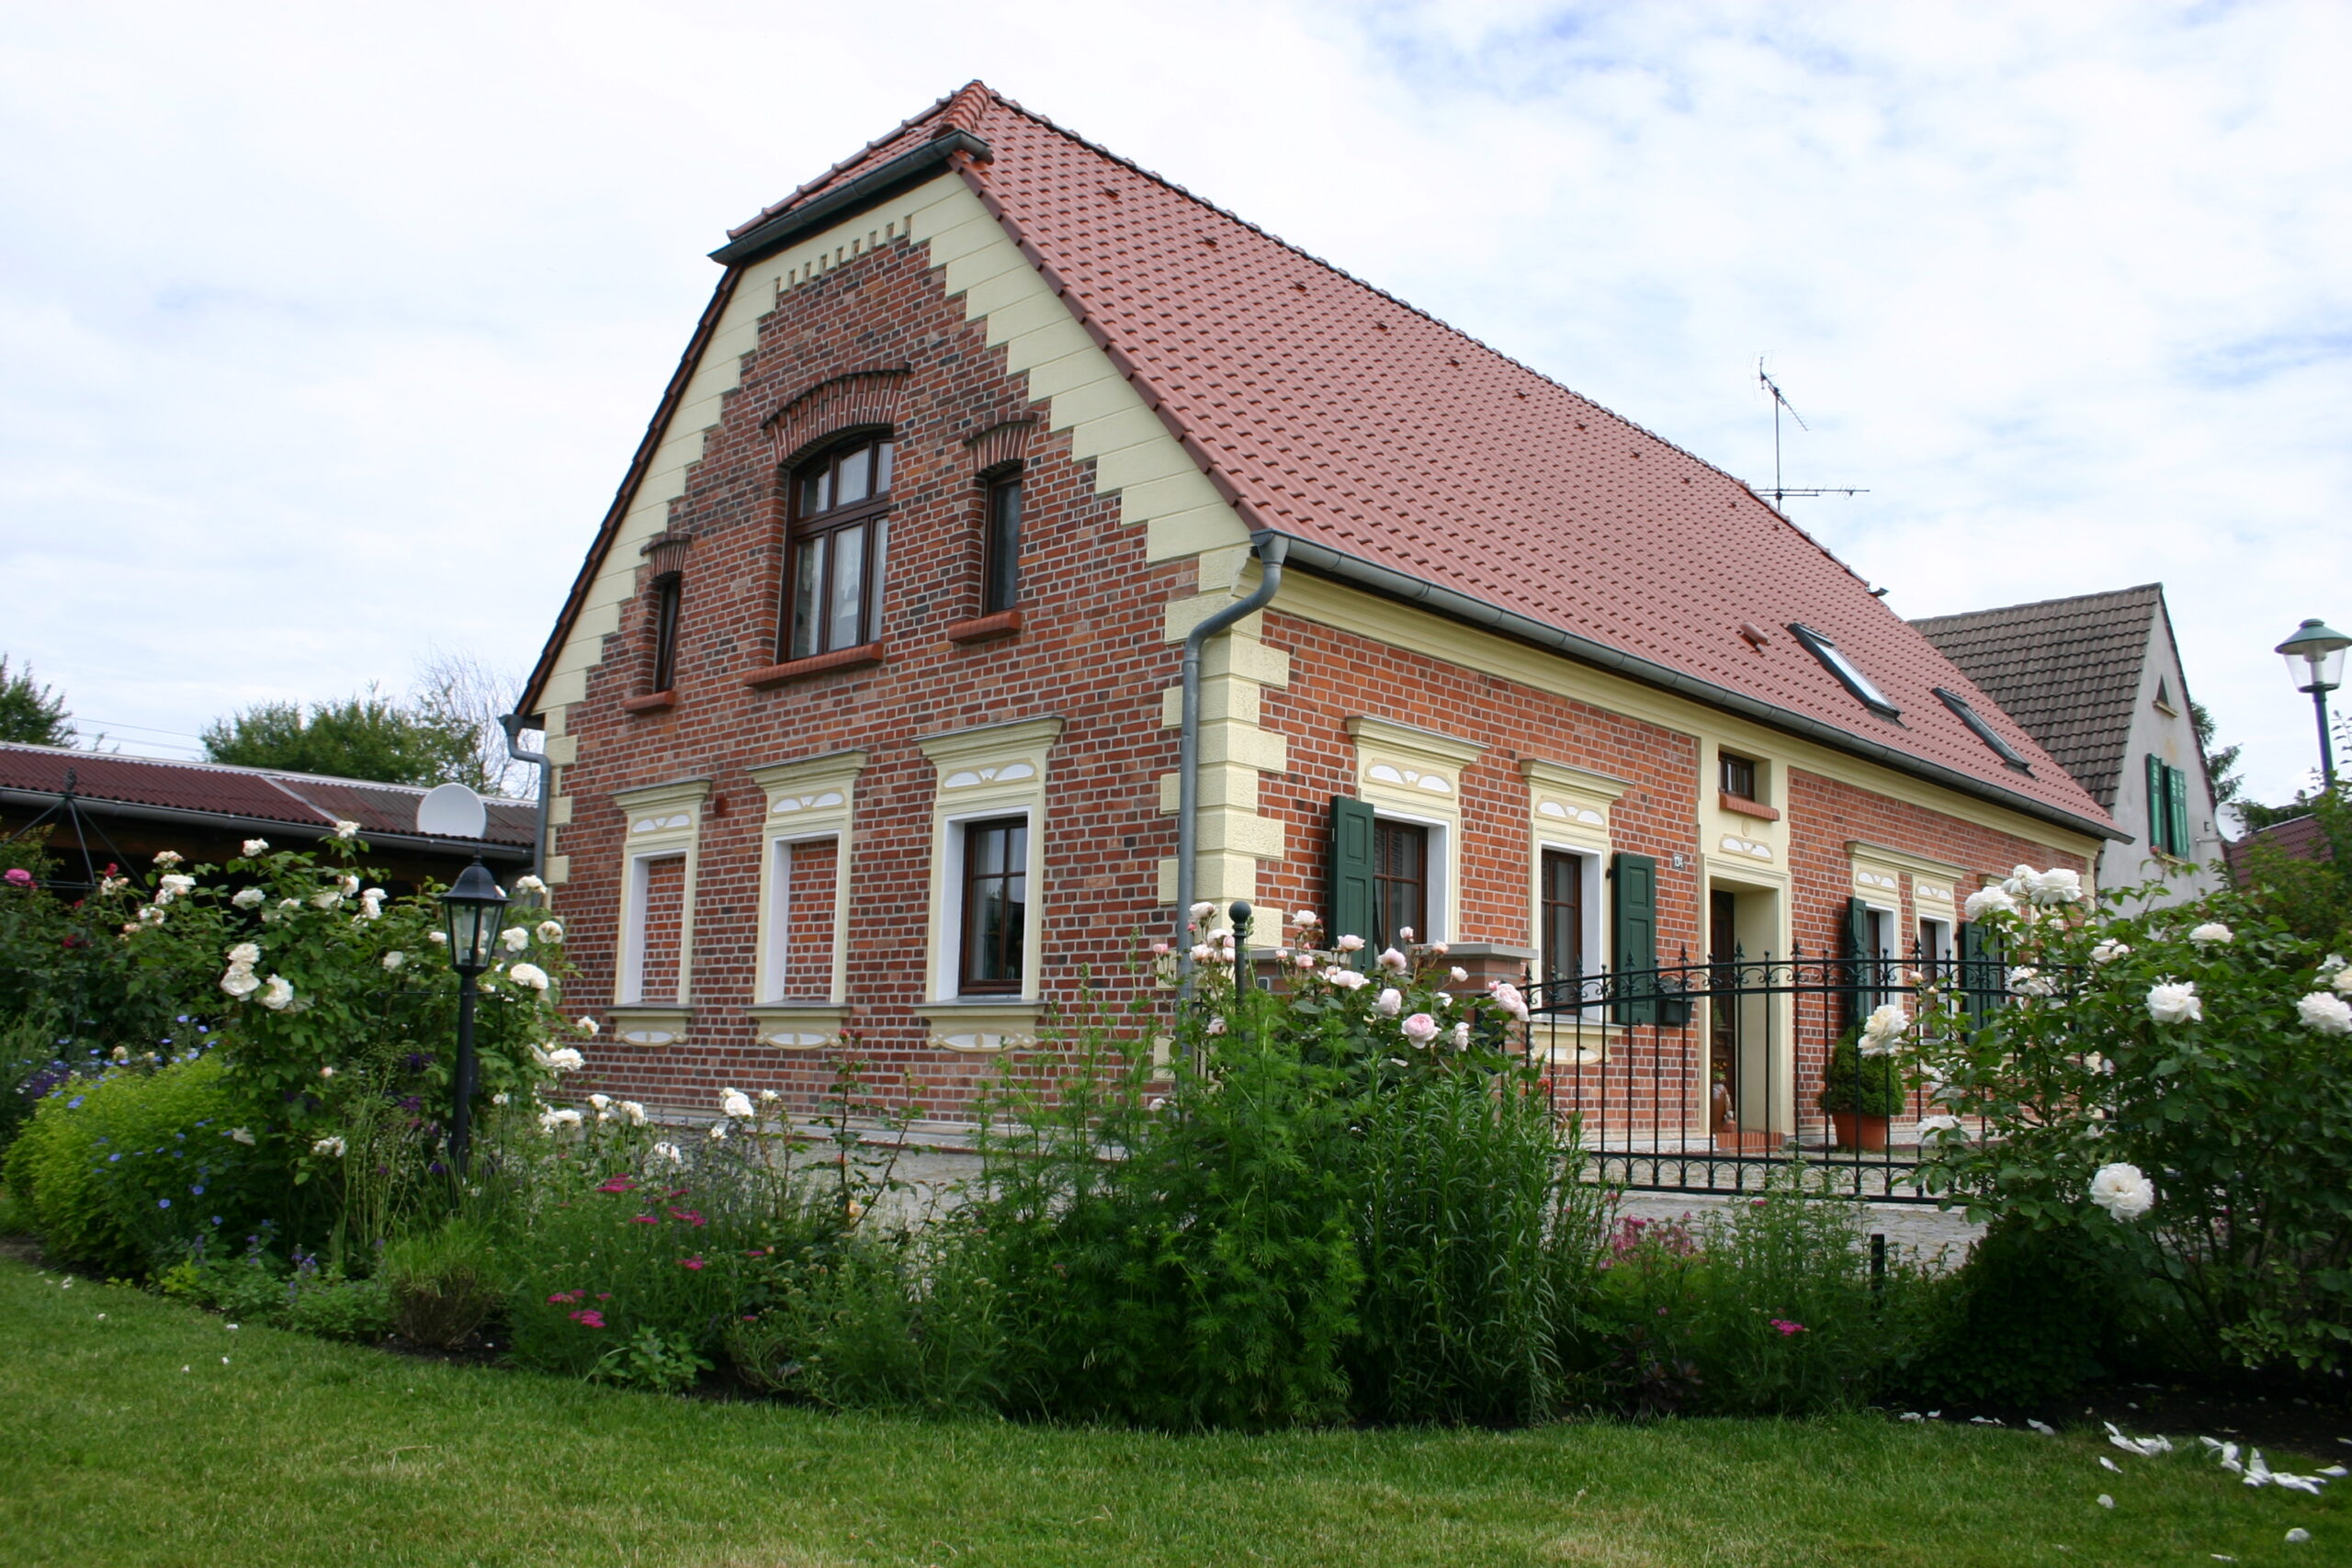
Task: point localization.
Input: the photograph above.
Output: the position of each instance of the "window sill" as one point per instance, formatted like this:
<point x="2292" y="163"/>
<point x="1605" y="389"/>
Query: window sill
<point x="982" y="628"/>
<point x="636" y="1024"/>
<point x="798" y="1026"/>
<point x="1739" y="804"/>
<point x="652" y="701"/>
<point x="983" y="1024"/>
<point x="815" y="664"/>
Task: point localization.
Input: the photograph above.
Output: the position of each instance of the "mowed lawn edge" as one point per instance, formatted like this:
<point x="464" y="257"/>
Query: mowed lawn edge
<point x="293" y="1451"/>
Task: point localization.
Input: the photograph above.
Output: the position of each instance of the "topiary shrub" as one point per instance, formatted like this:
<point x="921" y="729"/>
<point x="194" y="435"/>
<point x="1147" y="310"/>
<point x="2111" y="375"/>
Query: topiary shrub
<point x="123" y="1171"/>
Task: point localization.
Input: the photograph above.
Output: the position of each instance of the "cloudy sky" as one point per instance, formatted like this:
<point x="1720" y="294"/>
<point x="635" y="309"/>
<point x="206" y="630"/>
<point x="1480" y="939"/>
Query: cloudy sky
<point x="326" y="332"/>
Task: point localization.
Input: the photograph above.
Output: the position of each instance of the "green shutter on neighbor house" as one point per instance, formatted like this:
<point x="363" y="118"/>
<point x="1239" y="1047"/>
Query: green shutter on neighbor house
<point x="1632" y="941"/>
<point x="2159" y="818"/>
<point x="1856" y="955"/>
<point x="2176" y="810"/>
<point x="1349" y="909"/>
<point x="1981" y="977"/>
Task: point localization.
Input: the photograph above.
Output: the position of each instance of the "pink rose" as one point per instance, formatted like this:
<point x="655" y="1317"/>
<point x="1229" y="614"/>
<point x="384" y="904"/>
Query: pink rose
<point x="1420" y="1028"/>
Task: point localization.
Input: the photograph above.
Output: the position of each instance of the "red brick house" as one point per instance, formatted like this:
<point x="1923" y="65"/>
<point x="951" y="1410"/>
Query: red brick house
<point x="865" y="711"/>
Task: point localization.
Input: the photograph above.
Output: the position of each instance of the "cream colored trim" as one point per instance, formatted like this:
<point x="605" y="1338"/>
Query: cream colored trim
<point x="1753" y="843"/>
<point x="1412" y="774"/>
<point x="1236" y="748"/>
<point x="663" y="819"/>
<point x="813" y="798"/>
<point x="797" y="1026"/>
<point x="1346" y="608"/>
<point x="1570" y="806"/>
<point x="1902" y="860"/>
<point x="996" y="770"/>
<point x="652" y="1026"/>
<point x="983" y="1026"/>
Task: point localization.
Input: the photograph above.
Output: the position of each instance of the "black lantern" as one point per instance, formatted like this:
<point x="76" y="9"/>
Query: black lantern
<point x="2315" y="657"/>
<point x="472" y="912"/>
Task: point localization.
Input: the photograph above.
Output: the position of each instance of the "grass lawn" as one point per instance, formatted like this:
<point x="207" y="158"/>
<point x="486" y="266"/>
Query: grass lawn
<point x="131" y="1441"/>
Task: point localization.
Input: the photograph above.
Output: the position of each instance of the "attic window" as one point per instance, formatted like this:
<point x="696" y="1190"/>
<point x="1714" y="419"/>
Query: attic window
<point x="2164" y="699"/>
<point x="1849" y="673"/>
<point x="1983" y="731"/>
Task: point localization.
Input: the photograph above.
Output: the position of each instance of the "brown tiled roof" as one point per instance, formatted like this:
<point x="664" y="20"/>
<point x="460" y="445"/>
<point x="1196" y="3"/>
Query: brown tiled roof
<point x="1331" y="413"/>
<point x="261" y="796"/>
<point x="2068" y="669"/>
<point x="2299" y="838"/>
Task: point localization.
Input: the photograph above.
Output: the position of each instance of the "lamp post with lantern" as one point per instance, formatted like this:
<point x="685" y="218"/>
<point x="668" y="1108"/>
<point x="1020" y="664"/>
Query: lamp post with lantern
<point x="2315" y="657"/>
<point x="472" y="909"/>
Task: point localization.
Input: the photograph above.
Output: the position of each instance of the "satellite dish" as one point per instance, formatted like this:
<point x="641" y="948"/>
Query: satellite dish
<point x="451" y="811"/>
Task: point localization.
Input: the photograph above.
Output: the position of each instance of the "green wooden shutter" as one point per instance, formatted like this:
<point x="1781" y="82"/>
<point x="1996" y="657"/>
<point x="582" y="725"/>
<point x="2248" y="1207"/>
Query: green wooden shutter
<point x="1633" y="937"/>
<point x="2159" y="818"/>
<point x="1982" y="977"/>
<point x="2177" y="807"/>
<point x="1349" y="911"/>
<point x="1855" y="956"/>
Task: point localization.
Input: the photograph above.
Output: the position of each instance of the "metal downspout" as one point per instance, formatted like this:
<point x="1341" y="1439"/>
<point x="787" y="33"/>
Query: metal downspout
<point x="513" y="725"/>
<point x="1270" y="551"/>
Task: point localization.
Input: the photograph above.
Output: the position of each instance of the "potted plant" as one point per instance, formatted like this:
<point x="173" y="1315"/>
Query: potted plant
<point x="1861" y="1093"/>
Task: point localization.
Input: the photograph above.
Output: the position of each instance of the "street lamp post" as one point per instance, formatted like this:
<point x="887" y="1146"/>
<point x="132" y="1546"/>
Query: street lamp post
<point x="2315" y="657"/>
<point x="472" y="909"/>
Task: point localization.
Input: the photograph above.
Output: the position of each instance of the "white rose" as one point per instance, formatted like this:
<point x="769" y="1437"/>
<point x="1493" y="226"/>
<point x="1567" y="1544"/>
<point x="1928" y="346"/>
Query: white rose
<point x="2210" y="933"/>
<point x="277" y="994"/>
<point x="346" y="830"/>
<point x="2328" y="1014"/>
<point x="326" y="899"/>
<point x="1346" y="979"/>
<point x="1202" y="911"/>
<point x="330" y="1146"/>
<point x="1405" y="933"/>
<point x="245" y="953"/>
<point x="172" y="886"/>
<point x="1507" y="996"/>
<point x="500" y="1098"/>
<point x="2109" y="950"/>
<point x="633" y="1113"/>
<point x="665" y="1154"/>
<point x="1392" y="959"/>
<point x="2176" y="1002"/>
<point x="1883" y="1028"/>
<point x="586" y="1026"/>
<point x="2343" y="981"/>
<point x="719" y="1132"/>
<point x="769" y="1097"/>
<point x="736" y="1104"/>
<point x="1989" y="901"/>
<point x="438" y="939"/>
<point x="257" y="847"/>
<point x="394" y="959"/>
<point x="348" y="882"/>
<point x="555" y="1121"/>
<point x="566" y="1060"/>
<point x="168" y="857"/>
<point x="1420" y="1028"/>
<point x="551" y="931"/>
<point x="529" y="884"/>
<point x="530" y="975"/>
<point x="2056" y="886"/>
<point x="1215" y="1026"/>
<point x="600" y="1100"/>
<point x="1349" y="944"/>
<point x="1462" y="1036"/>
<point x="240" y="1135"/>
<point x="246" y="898"/>
<point x="515" y="939"/>
<point x="2028" y="981"/>
<point x="1459" y="976"/>
<point x="1390" y="1002"/>
<point x="1303" y="918"/>
<point x="2123" y="1191"/>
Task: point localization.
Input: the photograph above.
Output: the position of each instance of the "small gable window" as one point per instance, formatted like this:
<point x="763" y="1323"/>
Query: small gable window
<point x="1739" y="776"/>
<point x="1001" y="545"/>
<point x="668" y="591"/>
<point x="2164" y="699"/>
<point x="838" y="507"/>
<point x="1967" y="715"/>
<point x="1849" y="673"/>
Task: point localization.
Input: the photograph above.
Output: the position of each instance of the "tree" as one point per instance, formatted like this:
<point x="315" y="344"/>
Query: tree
<point x="365" y="737"/>
<point x="2221" y="764"/>
<point x="460" y="693"/>
<point x="32" y="714"/>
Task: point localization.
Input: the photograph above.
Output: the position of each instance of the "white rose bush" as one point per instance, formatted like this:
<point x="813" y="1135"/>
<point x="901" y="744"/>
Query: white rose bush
<point x="2176" y="1089"/>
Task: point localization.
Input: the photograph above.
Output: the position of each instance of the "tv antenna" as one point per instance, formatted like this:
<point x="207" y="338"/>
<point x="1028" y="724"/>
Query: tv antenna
<point x="1781" y="400"/>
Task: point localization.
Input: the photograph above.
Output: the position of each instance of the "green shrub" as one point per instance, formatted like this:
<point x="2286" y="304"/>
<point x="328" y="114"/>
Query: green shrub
<point x="125" y="1171"/>
<point x="334" y="1308"/>
<point x="1853" y="1084"/>
<point x="441" y="1284"/>
<point x="2025" y="1322"/>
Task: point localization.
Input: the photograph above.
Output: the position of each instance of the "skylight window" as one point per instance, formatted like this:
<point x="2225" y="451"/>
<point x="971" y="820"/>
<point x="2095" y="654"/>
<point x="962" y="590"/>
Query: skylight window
<point x="1983" y="731"/>
<point x="1850" y="675"/>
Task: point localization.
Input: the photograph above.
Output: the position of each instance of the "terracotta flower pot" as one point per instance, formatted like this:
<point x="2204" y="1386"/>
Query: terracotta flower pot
<point x="1858" y="1132"/>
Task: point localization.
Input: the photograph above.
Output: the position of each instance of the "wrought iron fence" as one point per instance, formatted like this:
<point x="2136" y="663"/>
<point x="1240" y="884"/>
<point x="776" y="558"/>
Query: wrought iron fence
<point x="1711" y="1076"/>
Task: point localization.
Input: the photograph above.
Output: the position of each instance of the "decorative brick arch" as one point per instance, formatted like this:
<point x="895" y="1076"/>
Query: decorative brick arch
<point x="1000" y="445"/>
<point x="851" y="400"/>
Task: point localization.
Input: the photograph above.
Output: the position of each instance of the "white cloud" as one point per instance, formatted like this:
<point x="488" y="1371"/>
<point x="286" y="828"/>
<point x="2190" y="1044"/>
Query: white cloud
<point x="334" y="327"/>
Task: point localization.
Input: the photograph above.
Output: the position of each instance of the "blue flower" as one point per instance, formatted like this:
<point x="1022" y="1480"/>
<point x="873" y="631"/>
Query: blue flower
<point x="197" y="1190"/>
<point x="74" y="1103"/>
<point x="111" y="1159"/>
<point x="162" y="1202"/>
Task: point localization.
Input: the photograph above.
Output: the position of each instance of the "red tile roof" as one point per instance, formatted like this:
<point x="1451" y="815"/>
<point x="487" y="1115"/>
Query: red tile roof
<point x="1333" y="413"/>
<point x="237" y="796"/>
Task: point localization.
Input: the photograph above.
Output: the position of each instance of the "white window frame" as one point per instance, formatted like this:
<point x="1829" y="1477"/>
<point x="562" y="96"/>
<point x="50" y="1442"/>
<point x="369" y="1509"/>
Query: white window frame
<point x="1408" y="774"/>
<point x="947" y="984"/>
<point x="1568" y="809"/>
<point x="1589" y="873"/>
<point x="662" y="821"/>
<point x="1438" y="893"/>
<point x="993" y="771"/>
<point x="808" y="801"/>
<point x="637" y="903"/>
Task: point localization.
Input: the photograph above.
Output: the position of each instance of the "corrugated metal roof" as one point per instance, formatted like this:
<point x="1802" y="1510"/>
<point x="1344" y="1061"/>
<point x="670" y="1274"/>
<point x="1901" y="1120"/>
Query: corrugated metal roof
<point x="2068" y="669"/>
<point x="259" y="796"/>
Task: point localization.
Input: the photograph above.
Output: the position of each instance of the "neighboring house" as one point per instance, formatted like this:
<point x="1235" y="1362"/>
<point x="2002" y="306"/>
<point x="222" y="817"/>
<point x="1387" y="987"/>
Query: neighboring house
<point x="2298" y="837"/>
<point x="101" y="807"/>
<point x="864" y="708"/>
<point x="2097" y="679"/>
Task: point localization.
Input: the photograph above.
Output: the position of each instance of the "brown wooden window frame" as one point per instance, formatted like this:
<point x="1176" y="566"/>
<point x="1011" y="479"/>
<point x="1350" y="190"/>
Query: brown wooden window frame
<point x="818" y="520"/>
<point x="1560" y="920"/>
<point x="1011" y="956"/>
<point x="669" y="600"/>
<point x="1400" y="899"/>
<point x="1739" y="777"/>
<point x="1000" y="541"/>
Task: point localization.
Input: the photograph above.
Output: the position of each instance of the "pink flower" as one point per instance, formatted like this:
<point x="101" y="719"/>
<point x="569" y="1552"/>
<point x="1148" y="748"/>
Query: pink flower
<point x="19" y="878"/>
<point x="618" y="1184"/>
<point x="563" y="1298"/>
<point x="645" y="1219"/>
<point x="1786" y="1327"/>
<point x="689" y="1216"/>
<point x="589" y="1317"/>
<point x="1421" y="1029"/>
<point x="694" y="1263"/>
